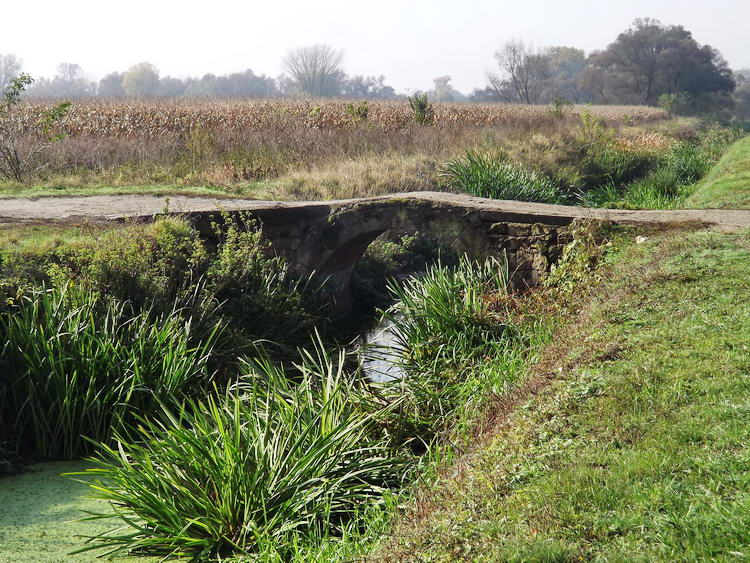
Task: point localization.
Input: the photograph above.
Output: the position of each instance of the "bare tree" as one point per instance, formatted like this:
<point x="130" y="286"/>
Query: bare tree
<point x="10" y="68"/>
<point x="316" y="70"/>
<point x="524" y="73"/>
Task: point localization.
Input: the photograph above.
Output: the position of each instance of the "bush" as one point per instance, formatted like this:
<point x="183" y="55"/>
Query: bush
<point x="151" y="265"/>
<point x="22" y="144"/>
<point x="494" y="176"/>
<point x="167" y="265"/>
<point x="76" y="366"/>
<point x="612" y="164"/>
<point x="257" y="295"/>
<point x="255" y="469"/>
<point x="669" y="183"/>
<point x="665" y="186"/>
<point x="421" y="109"/>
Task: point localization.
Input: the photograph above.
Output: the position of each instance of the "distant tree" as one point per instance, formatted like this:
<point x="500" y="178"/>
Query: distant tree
<point x="170" y="87"/>
<point x="649" y="60"/>
<point x="246" y="84"/>
<point x="443" y="91"/>
<point x="484" y="95"/>
<point x="367" y="87"/>
<point x="599" y="84"/>
<point x="524" y="73"/>
<point x="204" y="87"/>
<point x="316" y="70"/>
<point x="111" y="86"/>
<point x="566" y="67"/>
<point x="285" y="85"/>
<point x="141" y="81"/>
<point x="10" y="68"/>
<point x="70" y="82"/>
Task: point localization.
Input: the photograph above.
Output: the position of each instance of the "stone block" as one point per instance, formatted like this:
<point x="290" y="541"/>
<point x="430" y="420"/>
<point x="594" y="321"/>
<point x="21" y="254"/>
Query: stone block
<point x="519" y="230"/>
<point x="542" y="229"/>
<point x="499" y="229"/>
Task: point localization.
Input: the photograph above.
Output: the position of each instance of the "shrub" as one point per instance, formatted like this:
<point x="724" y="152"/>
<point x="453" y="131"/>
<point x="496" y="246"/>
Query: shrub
<point x="358" y="112"/>
<point x="234" y="281"/>
<point x="421" y="109"/>
<point x="269" y="461"/>
<point x="602" y="159"/>
<point x="21" y="145"/>
<point x="257" y="295"/>
<point x="669" y="183"/>
<point x="145" y="265"/>
<point x="77" y="366"/>
<point x="494" y="176"/>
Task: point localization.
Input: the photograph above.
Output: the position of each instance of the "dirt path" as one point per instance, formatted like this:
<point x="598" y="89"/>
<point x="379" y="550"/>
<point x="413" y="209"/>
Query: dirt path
<point x="119" y="207"/>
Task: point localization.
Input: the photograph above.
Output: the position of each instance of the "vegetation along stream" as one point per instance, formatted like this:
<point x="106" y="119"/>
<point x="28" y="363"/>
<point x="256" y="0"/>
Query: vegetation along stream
<point x="144" y="348"/>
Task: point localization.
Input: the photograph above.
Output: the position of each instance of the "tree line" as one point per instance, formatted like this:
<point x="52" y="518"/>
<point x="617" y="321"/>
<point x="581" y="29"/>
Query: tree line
<point x="649" y="63"/>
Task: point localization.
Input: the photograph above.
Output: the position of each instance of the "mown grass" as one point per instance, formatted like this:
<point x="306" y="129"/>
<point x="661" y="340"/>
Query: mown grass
<point x="728" y="183"/>
<point x="634" y="444"/>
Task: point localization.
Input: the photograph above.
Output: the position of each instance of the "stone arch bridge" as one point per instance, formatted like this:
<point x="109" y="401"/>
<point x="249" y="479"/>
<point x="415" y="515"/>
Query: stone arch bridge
<point x="329" y="237"/>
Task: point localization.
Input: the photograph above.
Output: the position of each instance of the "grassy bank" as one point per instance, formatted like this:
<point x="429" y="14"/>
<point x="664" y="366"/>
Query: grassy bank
<point x="633" y="443"/>
<point x="728" y="184"/>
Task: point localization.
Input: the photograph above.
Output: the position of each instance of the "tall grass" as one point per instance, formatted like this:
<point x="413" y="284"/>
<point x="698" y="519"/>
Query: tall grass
<point x="75" y="366"/>
<point x="448" y="313"/>
<point x="494" y="176"/>
<point x="273" y="461"/>
<point x="444" y="324"/>
<point x="670" y="181"/>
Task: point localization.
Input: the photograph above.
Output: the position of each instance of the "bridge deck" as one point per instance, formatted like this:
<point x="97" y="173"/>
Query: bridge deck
<point x="144" y="207"/>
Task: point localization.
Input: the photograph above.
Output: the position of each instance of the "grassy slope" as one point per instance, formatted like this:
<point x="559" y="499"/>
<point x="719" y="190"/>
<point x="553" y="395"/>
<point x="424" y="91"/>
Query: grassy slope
<point x="638" y="447"/>
<point x="728" y="183"/>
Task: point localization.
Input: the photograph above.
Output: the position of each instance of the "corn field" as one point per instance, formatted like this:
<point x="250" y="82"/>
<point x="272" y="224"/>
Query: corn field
<point x="115" y="119"/>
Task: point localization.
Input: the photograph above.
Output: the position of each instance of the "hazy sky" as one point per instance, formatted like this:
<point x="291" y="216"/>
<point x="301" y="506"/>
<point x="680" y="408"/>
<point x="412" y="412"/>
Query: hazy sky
<point x="409" y="41"/>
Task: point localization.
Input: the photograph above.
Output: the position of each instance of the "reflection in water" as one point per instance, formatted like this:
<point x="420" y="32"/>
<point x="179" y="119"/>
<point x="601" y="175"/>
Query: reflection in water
<point x="380" y="362"/>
